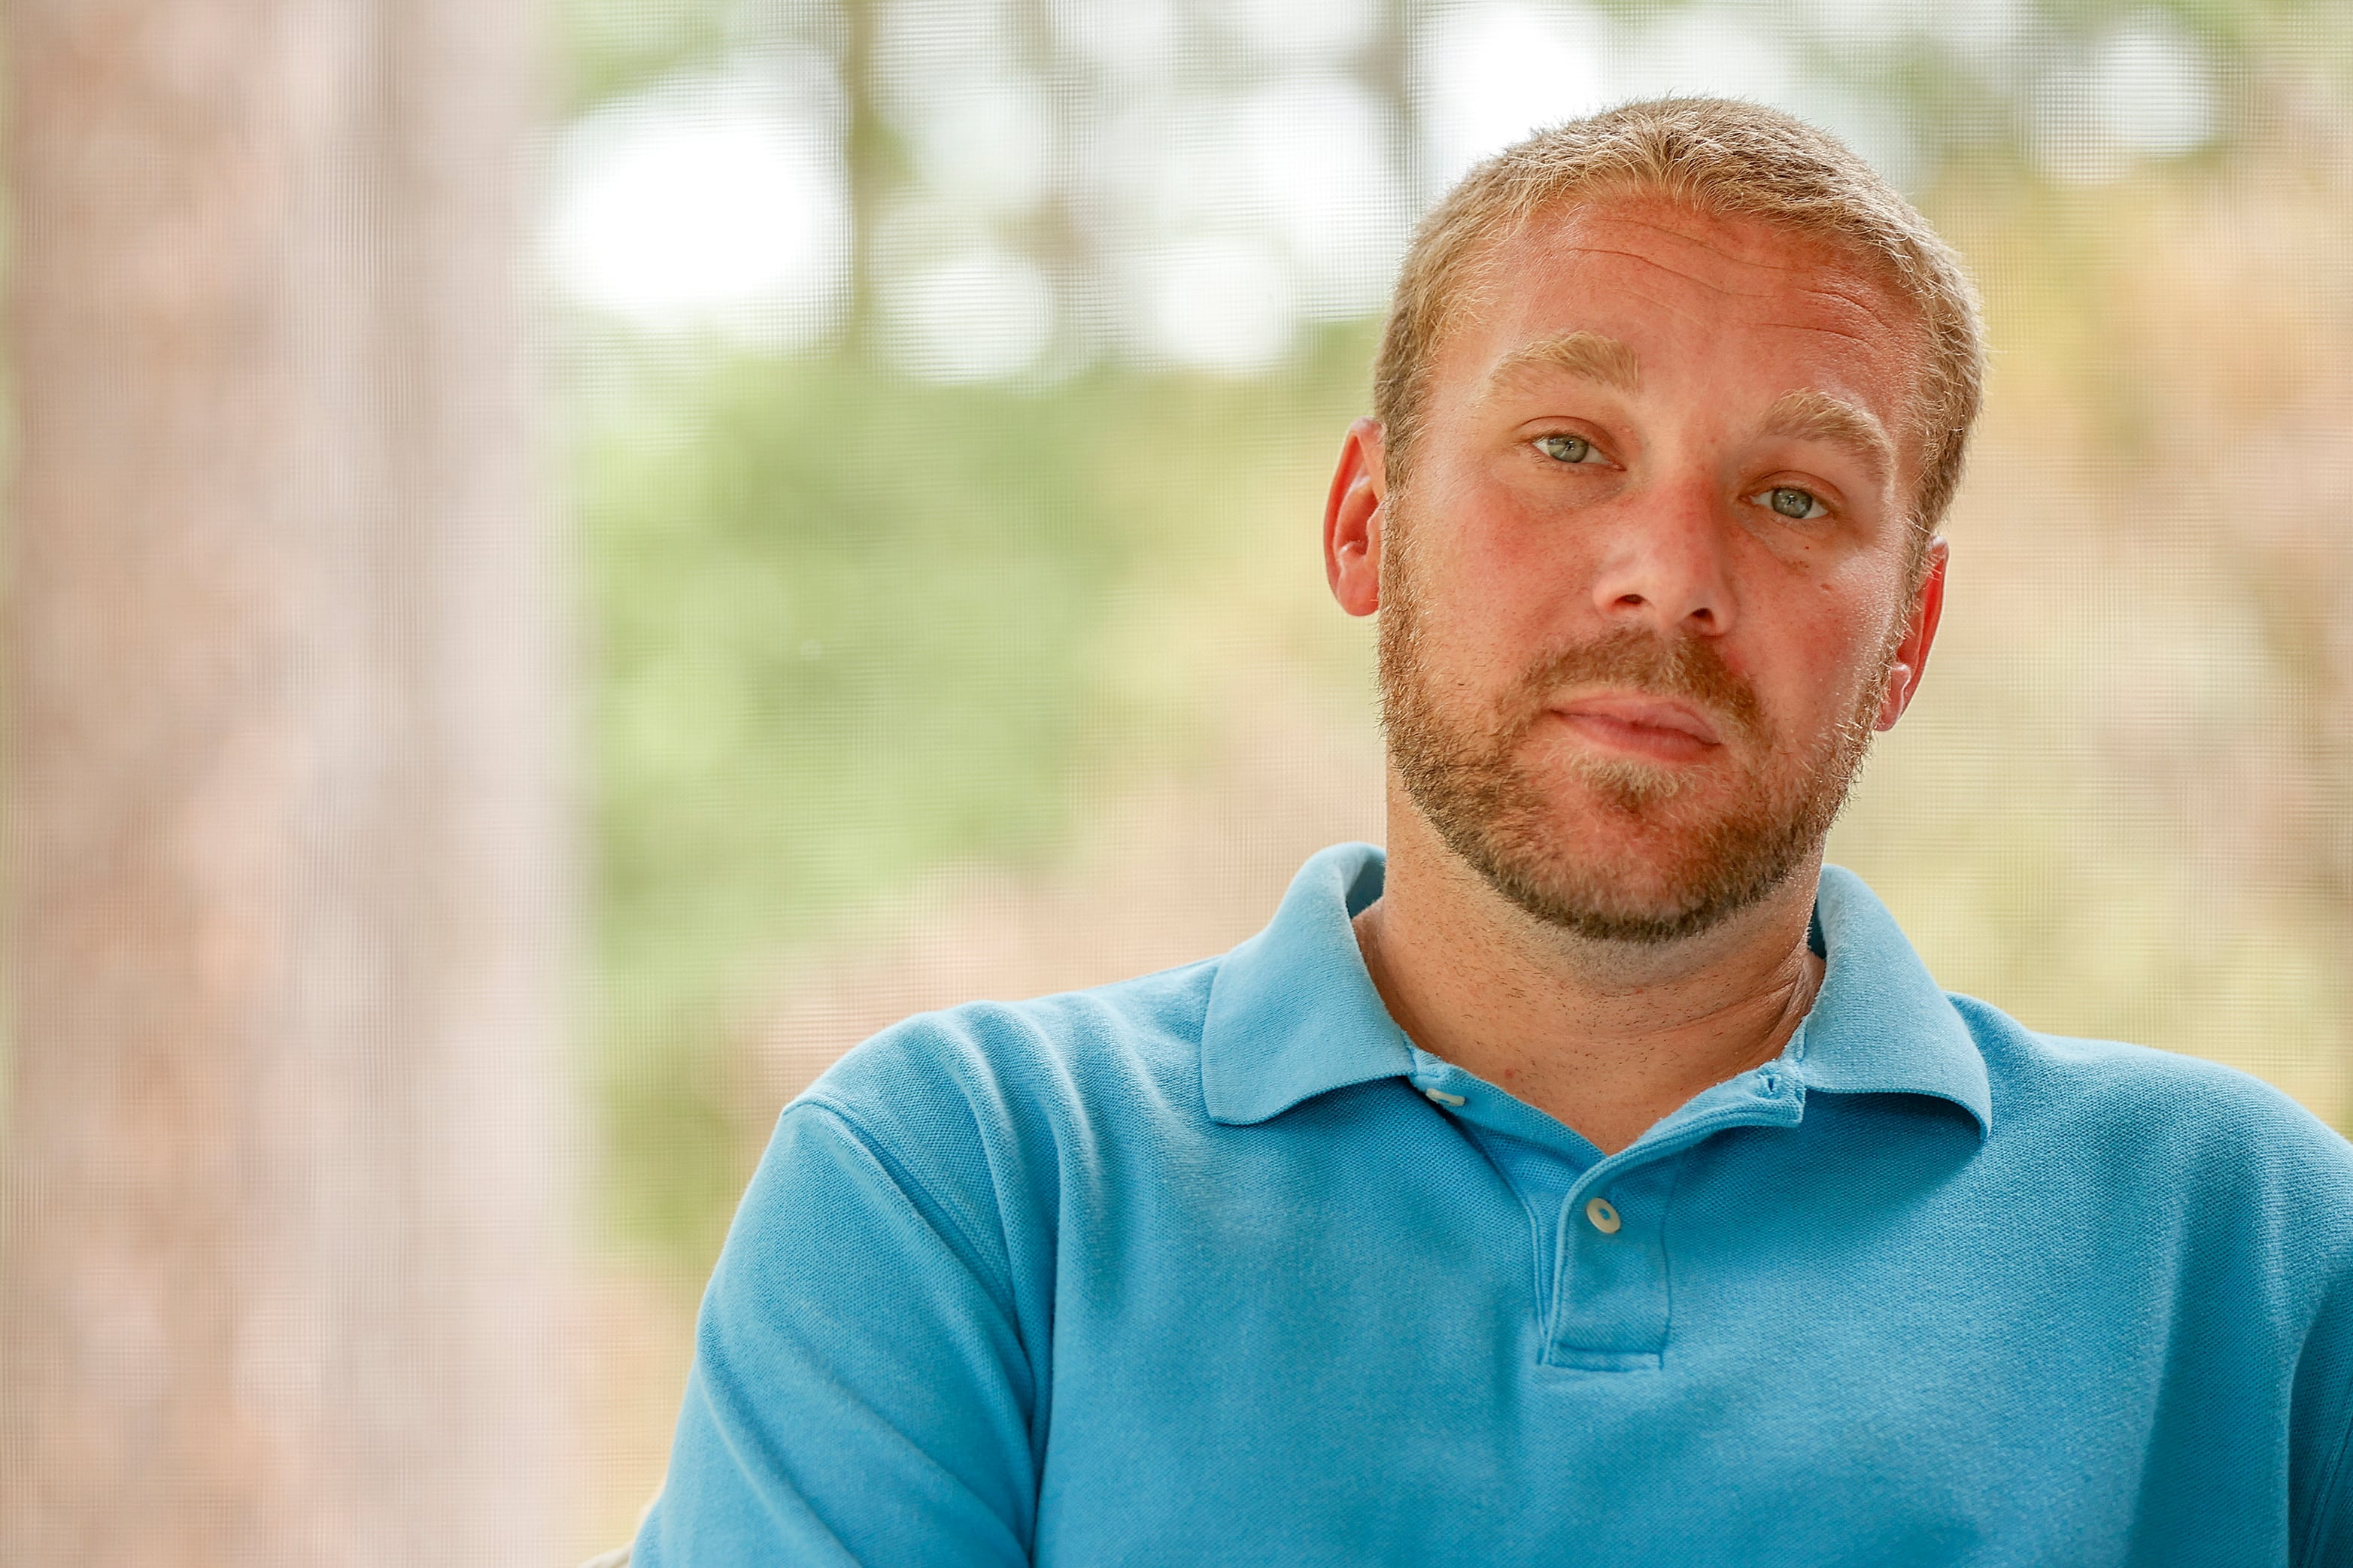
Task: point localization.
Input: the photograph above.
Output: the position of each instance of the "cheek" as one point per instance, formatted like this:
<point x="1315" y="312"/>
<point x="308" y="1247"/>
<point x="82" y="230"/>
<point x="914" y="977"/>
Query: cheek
<point x="1495" y="590"/>
<point x="1535" y="574"/>
<point x="1826" y="658"/>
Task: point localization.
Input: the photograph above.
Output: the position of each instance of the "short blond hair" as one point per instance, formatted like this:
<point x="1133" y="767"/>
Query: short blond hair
<point x="1720" y="156"/>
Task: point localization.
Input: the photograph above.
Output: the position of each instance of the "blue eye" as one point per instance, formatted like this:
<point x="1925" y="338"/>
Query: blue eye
<point x="1565" y="449"/>
<point x="1789" y="501"/>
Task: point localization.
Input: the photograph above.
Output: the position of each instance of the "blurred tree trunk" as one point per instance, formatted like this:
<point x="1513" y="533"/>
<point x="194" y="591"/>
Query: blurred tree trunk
<point x="1384" y="67"/>
<point x="288" y="876"/>
<point x="1055" y="234"/>
<point x="874" y="165"/>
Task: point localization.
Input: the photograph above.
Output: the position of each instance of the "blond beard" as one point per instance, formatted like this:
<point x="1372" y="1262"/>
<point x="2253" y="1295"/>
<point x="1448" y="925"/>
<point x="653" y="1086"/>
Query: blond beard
<point x="1467" y="780"/>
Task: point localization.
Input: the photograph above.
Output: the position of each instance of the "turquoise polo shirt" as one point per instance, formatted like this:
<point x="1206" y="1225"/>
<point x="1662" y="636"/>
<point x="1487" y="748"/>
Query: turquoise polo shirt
<point x="1216" y="1266"/>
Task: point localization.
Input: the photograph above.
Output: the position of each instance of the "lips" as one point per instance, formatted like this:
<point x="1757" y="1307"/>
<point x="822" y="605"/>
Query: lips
<point x="1644" y="720"/>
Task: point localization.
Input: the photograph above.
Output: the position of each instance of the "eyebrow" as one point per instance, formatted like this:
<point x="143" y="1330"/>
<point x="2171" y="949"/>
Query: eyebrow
<point x="1808" y="415"/>
<point x="1587" y="355"/>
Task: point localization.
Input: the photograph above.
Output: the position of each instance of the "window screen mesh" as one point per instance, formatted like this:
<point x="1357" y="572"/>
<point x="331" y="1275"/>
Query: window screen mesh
<point x="951" y="388"/>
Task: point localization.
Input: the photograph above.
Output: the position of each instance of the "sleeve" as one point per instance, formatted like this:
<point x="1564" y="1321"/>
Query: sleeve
<point x="860" y="1392"/>
<point x="2320" y="1440"/>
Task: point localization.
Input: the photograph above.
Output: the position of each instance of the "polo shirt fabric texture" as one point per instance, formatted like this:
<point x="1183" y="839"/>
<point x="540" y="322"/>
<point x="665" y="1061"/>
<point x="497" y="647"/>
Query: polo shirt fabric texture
<point x="1216" y="1267"/>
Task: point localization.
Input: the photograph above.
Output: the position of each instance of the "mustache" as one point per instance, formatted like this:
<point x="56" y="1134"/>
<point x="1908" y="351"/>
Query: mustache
<point x="1688" y="669"/>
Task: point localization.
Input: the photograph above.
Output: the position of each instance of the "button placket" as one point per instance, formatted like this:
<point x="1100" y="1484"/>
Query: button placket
<point x="1609" y="1285"/>
<point x="1609" y="1304"/>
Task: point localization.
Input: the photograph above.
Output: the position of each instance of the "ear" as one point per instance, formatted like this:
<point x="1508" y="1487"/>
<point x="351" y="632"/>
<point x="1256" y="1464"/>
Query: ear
<point x="1352" y="521"/>
<point x="1920" y="634"/>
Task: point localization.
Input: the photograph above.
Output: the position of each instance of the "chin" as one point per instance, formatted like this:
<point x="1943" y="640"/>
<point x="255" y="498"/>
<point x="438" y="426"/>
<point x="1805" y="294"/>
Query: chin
<point x="1645" y="873"/>
<point x="1592" y="875"/>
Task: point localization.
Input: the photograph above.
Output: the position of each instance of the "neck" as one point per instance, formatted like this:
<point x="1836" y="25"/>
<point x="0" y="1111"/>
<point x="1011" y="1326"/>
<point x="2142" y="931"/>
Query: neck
<point x="1607" y="1037"/>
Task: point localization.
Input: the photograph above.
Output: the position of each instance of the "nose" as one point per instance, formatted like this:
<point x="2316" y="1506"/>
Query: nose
<point x="1664" y="564"/>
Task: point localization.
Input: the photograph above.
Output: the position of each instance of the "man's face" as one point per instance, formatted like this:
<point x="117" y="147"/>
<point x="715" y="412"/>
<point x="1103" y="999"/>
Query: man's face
<point x="1643" y="586"/>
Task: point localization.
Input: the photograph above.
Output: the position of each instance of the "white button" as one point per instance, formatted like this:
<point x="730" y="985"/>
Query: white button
<point x="1443" y="1097"/>
<point x="1605" y="1218"/>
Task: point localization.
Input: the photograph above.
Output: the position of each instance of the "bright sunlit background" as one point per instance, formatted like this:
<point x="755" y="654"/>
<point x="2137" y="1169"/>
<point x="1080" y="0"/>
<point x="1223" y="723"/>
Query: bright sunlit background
<point x="951" y="385"/>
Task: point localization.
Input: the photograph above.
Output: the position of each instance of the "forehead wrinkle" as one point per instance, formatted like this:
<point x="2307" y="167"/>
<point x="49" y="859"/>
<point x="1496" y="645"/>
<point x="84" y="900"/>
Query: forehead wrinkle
<point x="1847" y="281"/>
<point x="1588" y="355"/>
<point x="1869" y="304"/>
<point x="1810" y="414"/>
<point x="1656" y="265"/>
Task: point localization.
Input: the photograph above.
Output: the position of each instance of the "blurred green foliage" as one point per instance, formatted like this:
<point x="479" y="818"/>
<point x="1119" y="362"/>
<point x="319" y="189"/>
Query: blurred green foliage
<point x="607" y="50"/>
<point x="846" y="626"/>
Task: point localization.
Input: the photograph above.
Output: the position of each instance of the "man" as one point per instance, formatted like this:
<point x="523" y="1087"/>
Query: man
<point x="1595" y="1177"/>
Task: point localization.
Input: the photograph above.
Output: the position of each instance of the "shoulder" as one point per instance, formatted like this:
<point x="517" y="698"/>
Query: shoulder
<point x="1040" y="1046"/>
<point x="979" y="1125"/>
<point x="2191" y="1127"/>
<point x="1003" y="1077"/>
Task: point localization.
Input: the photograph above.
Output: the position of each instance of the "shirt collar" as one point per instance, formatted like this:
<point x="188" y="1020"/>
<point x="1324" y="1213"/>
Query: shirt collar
<point x="1293" y="1013"/>
<point x="1881" y="1023"/>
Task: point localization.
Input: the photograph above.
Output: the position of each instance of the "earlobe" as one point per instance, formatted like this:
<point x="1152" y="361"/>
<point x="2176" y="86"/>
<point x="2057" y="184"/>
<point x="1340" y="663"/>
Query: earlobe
<point x="1927" y="609"/>
<point x="1896" y="699"/>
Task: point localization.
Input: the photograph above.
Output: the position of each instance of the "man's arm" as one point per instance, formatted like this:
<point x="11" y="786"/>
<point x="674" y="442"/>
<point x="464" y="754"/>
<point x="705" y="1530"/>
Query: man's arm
<point x="860" y="1393"/>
